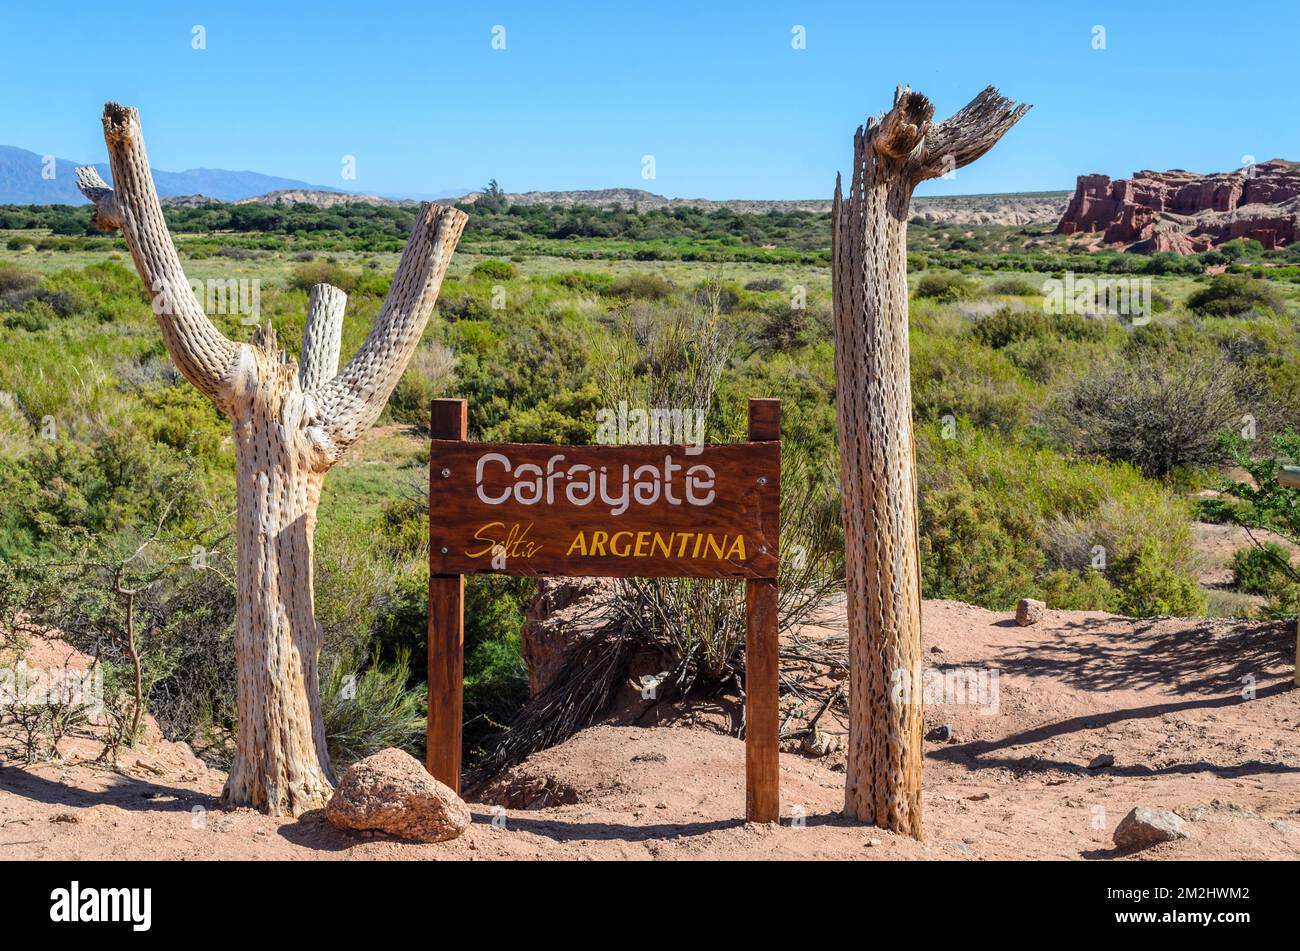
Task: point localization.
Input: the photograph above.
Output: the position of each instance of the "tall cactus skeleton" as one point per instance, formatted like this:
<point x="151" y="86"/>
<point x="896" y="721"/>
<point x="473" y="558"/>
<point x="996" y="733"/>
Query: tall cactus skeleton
<point x="291" y="423"/>
<point x="891" y="156"/>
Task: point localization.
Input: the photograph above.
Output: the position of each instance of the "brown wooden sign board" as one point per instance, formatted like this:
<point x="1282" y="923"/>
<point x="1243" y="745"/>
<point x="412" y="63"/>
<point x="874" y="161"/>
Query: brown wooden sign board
<point x="610" y="511"/>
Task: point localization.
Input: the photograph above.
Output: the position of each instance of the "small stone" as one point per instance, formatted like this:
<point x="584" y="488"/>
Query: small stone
<point x="1145" y="826"/>
<point x="968" y="840"/>
<point x="940" y="733"/>
<point x="818" y="743"/>
<point x="391" y="792"/>
<point x="650" y="758"/>
<point x="936" y="649"/>
<point x="1029" y="611"/>
<point x="92" y="815"/>
<point x="978" y="797"/>
<point x="1101" y="761"/>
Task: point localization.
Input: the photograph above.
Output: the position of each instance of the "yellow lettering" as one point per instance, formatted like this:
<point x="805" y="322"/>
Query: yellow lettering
<point x="642" y="540"/>
<point x="480" y="537"/>
<point x="598" y="540"/>
<point x="715" y="547"/>
<point x="665" y="545"/>
<point x="614" y="540"/>
<point x="579" y="545"/>
<point x="737" y="549"/>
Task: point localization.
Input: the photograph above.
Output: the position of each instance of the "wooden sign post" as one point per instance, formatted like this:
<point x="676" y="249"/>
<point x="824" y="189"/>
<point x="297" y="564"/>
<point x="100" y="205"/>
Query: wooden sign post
<point x="613" y="511"/>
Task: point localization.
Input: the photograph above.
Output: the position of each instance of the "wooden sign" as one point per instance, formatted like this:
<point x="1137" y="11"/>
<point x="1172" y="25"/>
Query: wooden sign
<point x="610" y="511"/>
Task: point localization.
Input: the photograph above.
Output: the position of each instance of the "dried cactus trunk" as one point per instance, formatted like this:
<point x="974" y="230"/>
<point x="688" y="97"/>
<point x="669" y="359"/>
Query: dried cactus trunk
<point x="290" y="426"/>
<point x="877" y="450"/>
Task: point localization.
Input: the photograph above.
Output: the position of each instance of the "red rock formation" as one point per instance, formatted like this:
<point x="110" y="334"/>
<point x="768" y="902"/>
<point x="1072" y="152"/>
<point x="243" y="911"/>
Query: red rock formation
<point x="1186" y="213"/>
<point x="564" y="612"/>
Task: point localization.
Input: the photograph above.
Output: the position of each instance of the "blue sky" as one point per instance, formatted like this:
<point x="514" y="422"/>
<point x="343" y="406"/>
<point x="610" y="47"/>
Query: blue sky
<point x="581" y="93"/>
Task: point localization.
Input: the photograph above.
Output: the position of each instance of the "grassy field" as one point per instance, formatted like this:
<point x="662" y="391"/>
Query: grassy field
<point x="1041" y="437"/>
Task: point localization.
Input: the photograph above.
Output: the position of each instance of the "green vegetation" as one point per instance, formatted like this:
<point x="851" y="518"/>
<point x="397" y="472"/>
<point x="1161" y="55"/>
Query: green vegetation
<point x="1058" y="454"/>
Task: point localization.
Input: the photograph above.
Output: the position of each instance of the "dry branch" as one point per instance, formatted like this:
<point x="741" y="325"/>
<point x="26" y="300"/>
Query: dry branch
<point x="290" y="426"/>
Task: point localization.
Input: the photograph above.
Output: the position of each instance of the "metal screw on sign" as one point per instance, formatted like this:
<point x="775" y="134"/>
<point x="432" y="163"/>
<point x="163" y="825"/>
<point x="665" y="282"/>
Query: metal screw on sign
<point x="762" y="480"/>
<point x="444" y="549"/>
<point x="446" y="473"/>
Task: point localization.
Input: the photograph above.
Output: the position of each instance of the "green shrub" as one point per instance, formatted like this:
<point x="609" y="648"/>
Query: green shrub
<point x="1234" y="295"/>
<point x="946" y="286"/>
<point x="951" y="377"/>
<point x="368" y="708"/>
<point x="494" y="270"/>
<point x="1261" y="569"/>
<point x="1015" y="287"/>
<point x="1000" y="521"/>
<point x="35" y="315"/>
<point x="585" y="281"/>
<point x="1152" y="587"/>
<point x="322" y="272"/>
<point x="642" y="285"/>
<point x="428" y="376"/>
<point x="1007" y="326"/>
<point x="792" y="328"/>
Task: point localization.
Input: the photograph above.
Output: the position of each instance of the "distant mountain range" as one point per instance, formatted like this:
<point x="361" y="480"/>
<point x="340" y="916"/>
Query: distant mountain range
<point x="1010" y="209"/>
<point x="1016" y="209"/>
<point x="25" y="180"/>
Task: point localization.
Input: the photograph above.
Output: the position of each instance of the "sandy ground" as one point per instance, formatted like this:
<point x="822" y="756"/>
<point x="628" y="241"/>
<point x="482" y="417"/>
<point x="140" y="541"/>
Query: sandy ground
<point x="1200" y="717"/>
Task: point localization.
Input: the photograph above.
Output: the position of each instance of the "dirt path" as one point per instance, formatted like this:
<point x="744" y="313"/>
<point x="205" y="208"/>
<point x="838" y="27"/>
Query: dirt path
<point x="1168" y="698"/>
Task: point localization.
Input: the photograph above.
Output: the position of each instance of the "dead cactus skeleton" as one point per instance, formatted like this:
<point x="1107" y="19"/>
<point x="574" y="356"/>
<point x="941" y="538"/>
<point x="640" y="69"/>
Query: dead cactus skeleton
<point x="291" y="423"/>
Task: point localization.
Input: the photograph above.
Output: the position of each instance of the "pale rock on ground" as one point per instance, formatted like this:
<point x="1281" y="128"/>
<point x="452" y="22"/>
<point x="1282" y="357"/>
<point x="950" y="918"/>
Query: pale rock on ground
<point x="391" y="792"/>
<point x="1145" y="827"/>
<point x="1029" y="611"/>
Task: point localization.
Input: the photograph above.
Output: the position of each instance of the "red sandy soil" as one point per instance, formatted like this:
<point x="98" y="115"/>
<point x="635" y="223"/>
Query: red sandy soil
<point x="1164" y="697"/>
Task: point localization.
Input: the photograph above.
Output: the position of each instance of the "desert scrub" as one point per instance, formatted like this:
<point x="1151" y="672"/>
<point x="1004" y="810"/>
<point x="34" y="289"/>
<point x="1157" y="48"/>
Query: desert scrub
<point x="946" y="286"/>
<point x="972" y="383"/>
<point x="1262" y="569"/>
<point x="494" y="270"/>
<point x="1015" y="287"/>
<point x="1235" y="295"/>
<point x="1025" y="514"/>
<point x="428" y="376"/>
<point x="641" y="286"/>
<point x="1006" y="326"/>
<point x="369" y="707"/>
<point x="1159" y="412"/>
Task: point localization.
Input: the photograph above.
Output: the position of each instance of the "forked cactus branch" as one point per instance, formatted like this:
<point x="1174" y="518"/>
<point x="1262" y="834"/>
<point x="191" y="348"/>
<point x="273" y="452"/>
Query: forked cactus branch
<point x="291" y="424"/>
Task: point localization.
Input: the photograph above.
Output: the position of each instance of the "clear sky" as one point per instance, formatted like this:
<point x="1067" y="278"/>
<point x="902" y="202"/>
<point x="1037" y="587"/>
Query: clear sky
<point x="581" y="92"/>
